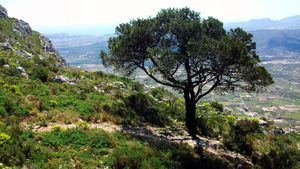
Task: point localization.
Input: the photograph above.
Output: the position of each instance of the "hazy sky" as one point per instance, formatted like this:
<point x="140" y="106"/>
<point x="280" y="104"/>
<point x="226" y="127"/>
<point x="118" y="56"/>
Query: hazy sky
<point x="50" y="14"/>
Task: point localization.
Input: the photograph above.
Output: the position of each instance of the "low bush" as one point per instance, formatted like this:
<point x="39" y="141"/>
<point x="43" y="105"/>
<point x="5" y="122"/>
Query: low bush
<point x="76" y="138"/>
<point x="243" y="135"/>
<point x="211" y="120"/>
<point x="2" y="61"/>
<point x="40" y="72"/>
<point x="18" y="145"/>
<point x="145" y="108"/>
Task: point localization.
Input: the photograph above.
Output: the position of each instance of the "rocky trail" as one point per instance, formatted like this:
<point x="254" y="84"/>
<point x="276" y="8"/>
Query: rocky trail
<point x="169" y="134"/>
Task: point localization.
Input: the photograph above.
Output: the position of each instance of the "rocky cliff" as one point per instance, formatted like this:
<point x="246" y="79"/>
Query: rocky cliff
<point x="17" y="36"/>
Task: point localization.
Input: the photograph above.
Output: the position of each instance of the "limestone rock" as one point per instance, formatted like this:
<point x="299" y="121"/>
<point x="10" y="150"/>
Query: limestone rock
<point x="47" y="44"/>
<point x="22" y="28"/>
<point x="61" y="79"/>
<point x="24" y="53"/>
<point x="24" y="73"/>
<point x="3" y="12"/>
<point x="6" y="46"/>
<point x="6" y="66"/>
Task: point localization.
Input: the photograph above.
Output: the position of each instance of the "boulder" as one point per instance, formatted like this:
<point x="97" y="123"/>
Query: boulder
<point x="24" y="53"/>
<point x="47" y="44"/>
<point x="3" y="12"/>
<point x="119" y="85"/>
<point x="6" y="66"/>
<point x="21" y="68"/>
<point x="278" y="131"/>
<point x="24" y="73"/>
<point x="6" y="46"/>
<point x="61" y="79"/>
<point x="22" y="28"/>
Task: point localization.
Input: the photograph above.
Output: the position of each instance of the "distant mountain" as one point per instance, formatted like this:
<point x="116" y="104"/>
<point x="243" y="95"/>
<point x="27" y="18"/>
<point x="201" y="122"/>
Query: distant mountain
<point x="292" y="22"/>
<point x="273" y="37"/>
<point x="278" y="40"/>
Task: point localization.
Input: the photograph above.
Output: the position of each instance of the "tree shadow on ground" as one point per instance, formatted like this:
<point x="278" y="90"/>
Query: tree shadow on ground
<point x="187" y="156"/>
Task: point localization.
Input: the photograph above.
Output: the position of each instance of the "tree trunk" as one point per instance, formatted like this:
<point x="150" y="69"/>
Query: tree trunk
<point x="190" y="116"/>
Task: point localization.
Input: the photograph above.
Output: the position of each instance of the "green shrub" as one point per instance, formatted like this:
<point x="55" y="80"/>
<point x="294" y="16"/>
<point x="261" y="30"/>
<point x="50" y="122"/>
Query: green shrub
<point x="85" y="109"/>
<point x="284" y="159"/>
<point x="211" y="120"/>
<point x="100" y="140"/>
<point x="278" y="151"/>
<point x="19" y="147"/>
<point x="131" y="155"/>
<point x="13" y="105"/>
<point x="136" y="86"/>
<point x="242" y="136"/>
<point x="40" y="72"/>
<point x="58" y="137"/>
<point x="2" y="61"/>
<point x="145" y="108"/>
<point x="218" y="106"/>
<point x="13" y="71"/>
<point x="213" y="125"/>
<point x="76" y="138"/>
<point x="40" y="62"/>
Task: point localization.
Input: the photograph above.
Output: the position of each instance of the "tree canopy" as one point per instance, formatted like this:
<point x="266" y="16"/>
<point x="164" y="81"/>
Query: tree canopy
<point x="179" y="49"/>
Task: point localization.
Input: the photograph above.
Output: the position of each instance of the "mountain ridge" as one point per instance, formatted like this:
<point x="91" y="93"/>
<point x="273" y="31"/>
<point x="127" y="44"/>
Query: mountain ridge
<point x="291" y="22"/>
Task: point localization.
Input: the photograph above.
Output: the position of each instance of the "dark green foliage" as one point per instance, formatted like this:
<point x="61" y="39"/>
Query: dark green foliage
<point x="39" y="61"/>
<point x="144" y="106"/>
<point x="282" y="154"/>
<point x="136" y="86"/>
<point x="212" y="121"/>
<point x="13" y="71"/>
<point x="283" y="159"/>
<point x="12" y="105"/>
<point x="218" y="106"/>
<point x="19" y="147"/>
<point x="40" y="72"/>
<point x="76" y="138"/>
<point x="242" y="135"/>
<point x="2" y="61"/>
<point x="85" y="108"/>
<point x="140" y="103"/>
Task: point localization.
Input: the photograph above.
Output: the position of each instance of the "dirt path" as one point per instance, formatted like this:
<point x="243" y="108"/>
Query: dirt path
<point x="176" y="135"/>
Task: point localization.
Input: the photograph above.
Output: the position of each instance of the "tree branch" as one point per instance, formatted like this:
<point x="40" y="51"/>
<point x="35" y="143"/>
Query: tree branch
<point x="159" y="81"/>
<point x="208" y="91"/>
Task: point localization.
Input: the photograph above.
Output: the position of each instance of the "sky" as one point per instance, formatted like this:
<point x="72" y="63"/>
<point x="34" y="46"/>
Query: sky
<point x="59" y="16"/>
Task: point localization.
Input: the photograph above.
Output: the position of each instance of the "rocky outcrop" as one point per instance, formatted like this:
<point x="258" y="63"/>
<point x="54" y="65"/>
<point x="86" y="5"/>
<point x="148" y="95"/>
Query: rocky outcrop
<point x="47" y="44"/>
<point x="63" y="79"/>
<point x="22" y="28"/>
<point x="18" y="37"/>
<point x="3" y="12"/>
<point x="6" y="46"/>
<point x="23" y="71"/>
<point x="24" y="53"/>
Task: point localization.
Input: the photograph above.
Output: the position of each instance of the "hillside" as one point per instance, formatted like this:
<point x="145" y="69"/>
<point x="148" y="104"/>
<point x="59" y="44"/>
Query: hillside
<point x="278" y="40"/>
<point x="273" y="37"/>
<point x="56" y="116"/>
